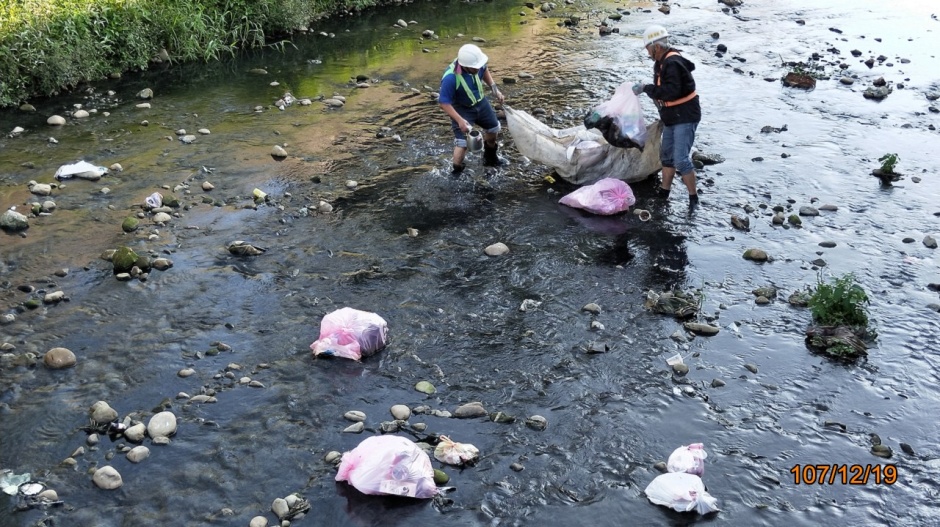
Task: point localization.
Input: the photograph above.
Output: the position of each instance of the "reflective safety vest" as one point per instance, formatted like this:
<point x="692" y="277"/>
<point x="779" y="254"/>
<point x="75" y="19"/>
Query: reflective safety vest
<point x="454" y="69"/>
<point x="659" y="78"/>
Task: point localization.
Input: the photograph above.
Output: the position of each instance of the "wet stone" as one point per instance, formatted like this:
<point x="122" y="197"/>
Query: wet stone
<point x="680" y="369"/>
<point x="717" y="383"/>
<point x="661" y="466"/>
<point x="882" y="451"/>
<point x="517" y="467"/>
<point x="907" y="449"/>
<point x="751" y="368"/>
<point x="470" y="410"/>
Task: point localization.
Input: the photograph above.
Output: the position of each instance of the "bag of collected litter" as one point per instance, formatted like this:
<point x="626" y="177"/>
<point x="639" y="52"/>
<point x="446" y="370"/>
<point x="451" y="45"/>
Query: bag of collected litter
<point x="351" y="334"/>
<point x="390" y="465"/>
<point x="607" y="196"/>
<point x="689" y="459"/>
<point x="620" y="119"/>
<point x="454" y="453"/>
<point x="81" y="170"/>
<point x="681" y="492"/>
<point x="581" y="156"/>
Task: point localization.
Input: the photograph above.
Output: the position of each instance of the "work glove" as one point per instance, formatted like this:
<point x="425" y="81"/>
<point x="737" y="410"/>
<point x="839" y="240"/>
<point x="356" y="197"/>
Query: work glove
<point x="498" y="94"/>
<point x="464" y="127"/>
<point x="638" y="88"/>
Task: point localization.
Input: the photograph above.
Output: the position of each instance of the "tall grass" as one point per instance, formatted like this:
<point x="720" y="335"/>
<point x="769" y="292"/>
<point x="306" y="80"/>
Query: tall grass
<point x="47" y="46"/>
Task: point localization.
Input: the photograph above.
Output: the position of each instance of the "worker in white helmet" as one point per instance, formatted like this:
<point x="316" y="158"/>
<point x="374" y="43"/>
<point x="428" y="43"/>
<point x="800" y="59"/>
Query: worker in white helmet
<point x="673" y="91"/>
<point x="463" y="99"/>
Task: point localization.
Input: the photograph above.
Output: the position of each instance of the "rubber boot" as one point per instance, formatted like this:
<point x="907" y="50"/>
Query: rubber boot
<point x="490" y="156"/>
<point x="457" y="170"/>
<point x="662" y="193"/>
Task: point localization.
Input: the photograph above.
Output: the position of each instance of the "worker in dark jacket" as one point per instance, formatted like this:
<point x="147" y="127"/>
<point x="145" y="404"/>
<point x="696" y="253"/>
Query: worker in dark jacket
<point x="673" y="91"/>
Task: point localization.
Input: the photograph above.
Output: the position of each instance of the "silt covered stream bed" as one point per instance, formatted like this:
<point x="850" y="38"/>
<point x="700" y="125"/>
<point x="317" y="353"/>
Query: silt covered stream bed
<point x="454" y="313"/>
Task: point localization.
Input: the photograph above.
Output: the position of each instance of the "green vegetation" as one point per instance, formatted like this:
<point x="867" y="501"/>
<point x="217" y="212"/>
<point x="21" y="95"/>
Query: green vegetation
<point x="50" y="45"/>
<point x="840" y="302"/>
<point x="888" y="162"/>
<point x="840" y="318"/>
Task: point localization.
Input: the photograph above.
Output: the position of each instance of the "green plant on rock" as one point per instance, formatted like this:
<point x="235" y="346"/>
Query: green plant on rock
<point x="840" y="318"/>
<point x="888" y="162"/>
<point x="840" y="302"/>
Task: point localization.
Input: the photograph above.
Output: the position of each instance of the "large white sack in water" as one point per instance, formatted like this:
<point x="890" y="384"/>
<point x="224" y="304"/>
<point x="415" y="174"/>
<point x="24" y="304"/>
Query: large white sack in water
<point x="582" y="156"/>
<point x="81" y="170"/>
<point x="681" y="492"/>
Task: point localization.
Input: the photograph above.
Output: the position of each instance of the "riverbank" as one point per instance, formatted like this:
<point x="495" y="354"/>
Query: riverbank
<point x="53" y="46"/>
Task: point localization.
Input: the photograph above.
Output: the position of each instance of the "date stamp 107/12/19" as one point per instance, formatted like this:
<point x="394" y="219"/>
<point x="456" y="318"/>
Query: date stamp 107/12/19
<point x="832" y="474"/>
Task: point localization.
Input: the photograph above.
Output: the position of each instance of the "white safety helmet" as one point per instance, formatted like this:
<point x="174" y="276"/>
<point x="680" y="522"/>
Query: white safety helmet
<point x="471" y="56"/>
<point x="654" y="33"/>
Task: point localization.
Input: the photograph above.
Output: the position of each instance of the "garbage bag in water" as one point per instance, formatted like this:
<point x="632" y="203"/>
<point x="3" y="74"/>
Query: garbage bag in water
<point x="80" y="170"/>
<point x="454" y="453"/>
<point x="351" y="334"/>
<point x="689" y="459"/>
<point x="681" y="492"/>
<point x="607" y="196"/>
<point x="391" y="465"/>
<point x="583" y="156"/>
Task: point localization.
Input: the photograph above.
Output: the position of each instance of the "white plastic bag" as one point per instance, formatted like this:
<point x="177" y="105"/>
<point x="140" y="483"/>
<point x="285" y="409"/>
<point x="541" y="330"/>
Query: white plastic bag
<point x="681" y="492"/>
<point x="391" y="465"/>
<point x="689" y="459"/>
<point x="582" y="156"/>
<point x="351" y="333"/>
<point x="620" y="119"/>
<point x="155" y="200"/>
<point x="81" y="170"/>
<point x="454" y="453"/>
<point x="607" y="196"/>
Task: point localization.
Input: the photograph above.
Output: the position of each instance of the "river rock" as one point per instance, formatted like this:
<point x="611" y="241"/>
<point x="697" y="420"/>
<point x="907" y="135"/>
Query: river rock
<point x="107" y="478"/>
<point x="425" y="387"/>
<point x="258" y="521"/>
<point x="59" y="358"/>
<point x="161" y="264"/>
<point x="56" y="120"/>
<point x="48" y="206"/>
<point x="162" y="217"/>
<point x="162" y="425"/>
<point x="779" y="218"/>
<point x="138" y="454"/>
<point x="497" y="249"/>
<point x="806" y="210"/>
<point x="930" y="242"/>
<point x="188" y="139"/>
<point x="135" y="433"/>
<point x="13" y="221"/>
<point x="80" y="114"/>
<point x="40" y="189"/>
<point x="469" y="410"/>
<point x="680" y="369"/>
<point x="592" y="308"/>
<point x="54" y="297"/>
<point x="756" y="255"/>
<point x="751" y="368"/>
<point x="142" y="106"/>
<point x="354" y="428"/>
<point x="130" y="224"/>
<point x="278" y="151"/>
<point x="145" y="93"/>
<point x="537" y="422"/>
<point x="401" y="412"/>
<point x="124" y="259"/>
<point x="101" y="412"/>
<point x="701" y="329"/>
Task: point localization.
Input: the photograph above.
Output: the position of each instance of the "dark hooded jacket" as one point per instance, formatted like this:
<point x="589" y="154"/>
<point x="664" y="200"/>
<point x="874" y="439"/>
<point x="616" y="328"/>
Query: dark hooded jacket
<point x="672" y="80"/>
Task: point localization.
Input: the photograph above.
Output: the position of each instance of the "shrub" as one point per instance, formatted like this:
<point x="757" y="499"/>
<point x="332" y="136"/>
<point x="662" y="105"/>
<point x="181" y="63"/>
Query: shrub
<point x="888" y="162"/>
<point x="840" y="302"/>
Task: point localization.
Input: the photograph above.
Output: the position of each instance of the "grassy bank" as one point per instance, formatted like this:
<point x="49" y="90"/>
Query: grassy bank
<point x="47" y="46"/>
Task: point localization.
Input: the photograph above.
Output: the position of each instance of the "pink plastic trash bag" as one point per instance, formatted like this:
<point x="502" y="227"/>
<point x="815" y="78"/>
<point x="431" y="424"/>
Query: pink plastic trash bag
<point x="689" y="459"/>
<point x="607" y="196"/>
<point x="390" y="465"/>
<point x="681" y="492"/>
<point x="351" y="333"/>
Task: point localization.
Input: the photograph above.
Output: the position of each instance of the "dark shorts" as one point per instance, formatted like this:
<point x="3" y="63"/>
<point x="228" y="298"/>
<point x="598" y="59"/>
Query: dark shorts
<point x="480" y="115"/>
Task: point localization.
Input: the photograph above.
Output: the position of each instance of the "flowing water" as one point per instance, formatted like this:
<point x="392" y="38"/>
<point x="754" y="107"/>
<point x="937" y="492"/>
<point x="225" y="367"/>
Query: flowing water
<point x="454" y="313"/>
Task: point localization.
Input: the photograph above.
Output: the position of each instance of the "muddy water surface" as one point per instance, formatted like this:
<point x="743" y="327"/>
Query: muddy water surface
<point x="453" y="312"/>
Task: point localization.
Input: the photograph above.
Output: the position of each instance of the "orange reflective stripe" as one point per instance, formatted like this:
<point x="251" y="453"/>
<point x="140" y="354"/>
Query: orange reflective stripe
<point x="677" y="102"/>
<point x="659" y="77"/>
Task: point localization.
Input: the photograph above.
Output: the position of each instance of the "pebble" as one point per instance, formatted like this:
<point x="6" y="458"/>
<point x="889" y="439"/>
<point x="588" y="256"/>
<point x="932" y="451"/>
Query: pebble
<point x="496" y="249"/>
<point x="536" y="422"/>
<point x="59" y="358"/>
<point x="355" y="416"/>
<point x="469" y="410"/>
<point x="332" y="457"/>
<point x="138" y="454"/>
<point x="592" y="308"/>
<point x="258" y="521"/>
<point x="136" y="433"/>
<point x="186" y="372"/>
<point x="107" y="478"/>
<point x="354" y="428"/>
<point x="162" y="424"/>
<point x="425" y="387"/>
<point x="680" y="369"/>
<point x="717" y="383"/>
<point x="517" y="467"/>
<point x="401" y="412"/>
<point x="751" y="368"/>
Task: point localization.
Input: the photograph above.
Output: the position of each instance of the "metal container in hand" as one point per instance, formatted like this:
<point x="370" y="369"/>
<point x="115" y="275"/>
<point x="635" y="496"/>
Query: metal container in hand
<point x="475" y="141"/>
